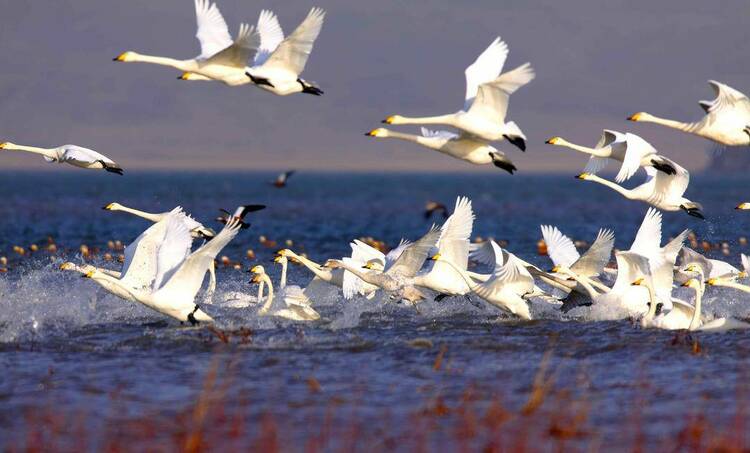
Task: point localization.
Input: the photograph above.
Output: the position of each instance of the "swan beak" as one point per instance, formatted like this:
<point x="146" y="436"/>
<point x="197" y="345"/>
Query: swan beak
<point x="742" y="274"/>
<point x="711" y="281"/>
<point x="120" y="57"/>
<point x="89" y="274"/>
<point x="583" y="176"/>
<point x="435" y="257"/>
<point x="555" y="269"/>
<point x="108" y="207"/>
<point x="638" y="282"/>
<point x="184" y="76"/>
<point x="379" y="132"/>
<point x="389" y="120"/>
<point x="552" y="140"/>
<point x="277" y="259"/>
<point x="687" y="283"/>
<point x="4" y="144"/>
<point x="635" y="116"/>
<point x="741" y="206"/>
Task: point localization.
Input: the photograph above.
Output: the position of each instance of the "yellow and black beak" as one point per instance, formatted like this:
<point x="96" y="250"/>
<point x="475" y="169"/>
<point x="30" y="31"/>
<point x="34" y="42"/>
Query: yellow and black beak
<point x="635" y="116"/>
<point x="4" y="144"/>
<point x="638" y="282"/>
<point x="184" y="76"/>
<point x="389" y="120"/>
<point x="89" y="274"/>
<point x="552" y="141"/>
<point x="582" y="175"/>
<point x="120" y="57"/>
<point x="108" y="207"/>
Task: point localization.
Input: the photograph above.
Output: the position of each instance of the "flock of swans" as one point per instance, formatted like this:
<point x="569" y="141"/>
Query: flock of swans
<point x="162" y="272"/>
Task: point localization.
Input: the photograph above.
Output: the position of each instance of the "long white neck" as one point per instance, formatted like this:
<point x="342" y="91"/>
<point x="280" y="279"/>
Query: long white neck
<point x="425" y="141"/>
<point x="448" y="119"/>
<point x="267" y="306"/>
<point x="733" y="285"/>
<point x="627" y="193"/>
<point x="261" y="287"/>
<point x="652" y="301"/>
<point x="465" y="275"/>
<point x="582" y="281"/>
<point x="323" y="274"/>
<point x="583" y="149"/>
<point x="695" y="322"/>
<point x="364" y="276"/>
<point x="146" y="215"/>
<point x="284" y="262"/>
<point x="104" y="279"/>
<point x="47" y="152"/>
<point x="182" y="65"/>
<point x="679" y="125"/>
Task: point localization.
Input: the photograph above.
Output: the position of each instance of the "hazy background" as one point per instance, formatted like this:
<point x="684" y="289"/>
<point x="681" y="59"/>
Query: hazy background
<point x="596" y="63"/>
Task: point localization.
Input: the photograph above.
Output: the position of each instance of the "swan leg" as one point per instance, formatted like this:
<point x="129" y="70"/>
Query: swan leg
<point x="191" y="316"/>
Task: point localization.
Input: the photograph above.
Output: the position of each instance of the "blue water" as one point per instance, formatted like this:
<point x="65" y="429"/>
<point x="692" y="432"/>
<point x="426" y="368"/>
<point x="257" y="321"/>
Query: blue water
<point x="72" y="353"/>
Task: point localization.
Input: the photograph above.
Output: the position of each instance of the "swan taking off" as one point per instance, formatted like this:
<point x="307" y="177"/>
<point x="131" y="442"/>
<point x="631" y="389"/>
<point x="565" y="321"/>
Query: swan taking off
<point x="69" y="154"/>
<point x="660" y="190"/>
<point x="630" y="149"/>
<point x="486" y="102"/>
<point x="464" y="146"/>
<point x="297" y="305"/>
<point x="221" y="58"/>
<point x="716" y="325"/>
<point x="279" y="72"/>
<point x="727" y="119"/>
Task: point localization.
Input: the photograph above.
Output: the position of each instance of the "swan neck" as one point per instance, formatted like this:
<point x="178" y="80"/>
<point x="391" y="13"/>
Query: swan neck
<point x="584" y="149"/>
<point x="695" y="322"/>
<point x="652" y="299"/>
<point x="679" y="125"/>
<point x="313" y="267"/>
<point x="48" y="152"/>
<point x="261" y="287"/>
<point x="267" y="306"/>
<point x="440" y="119"/>
<point x="282" y="282"/>
<point x="182" y="65"/>
<point x="583" y="282"/>
<point x="146" y="215"/>
<point x="616" y="187"/>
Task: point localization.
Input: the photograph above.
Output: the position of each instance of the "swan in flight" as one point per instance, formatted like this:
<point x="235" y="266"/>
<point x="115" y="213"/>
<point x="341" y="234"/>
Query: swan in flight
<point x="464" y="147"/>
<point x="365" y="256"/>
<point x="716" y="325"/>
<point x="297" y="304"/>
<point x="660" y="190"/>
<point x="197" y="230"/>
<point x="398" y="277"/>
<point x="221" y="58"/>
<point x="508" y="286"/>
<point x="334" y="277"/>
<point x="726" y="120"/>
<point x="69" y="154"/>
<point x="292" y="291"/>
<point x="729" y="280"/>
<point x="486" y="102"/>
<point x="690" y="260"/>
<point x="680" y="316"/>
<point x="281" y="180"/>
<point x="279" y="71"/>
<point x="630" y="149"/>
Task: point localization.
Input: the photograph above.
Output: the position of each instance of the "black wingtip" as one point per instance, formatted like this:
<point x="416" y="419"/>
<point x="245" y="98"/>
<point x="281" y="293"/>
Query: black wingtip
<point x="518" y="142"/>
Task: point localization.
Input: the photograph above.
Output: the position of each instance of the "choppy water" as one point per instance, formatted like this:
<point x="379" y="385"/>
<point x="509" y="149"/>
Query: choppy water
<point x="82" y="367"/>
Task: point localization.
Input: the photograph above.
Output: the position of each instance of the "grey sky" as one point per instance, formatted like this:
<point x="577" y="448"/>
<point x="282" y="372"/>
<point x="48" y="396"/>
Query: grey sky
<point x="596" y="62"/>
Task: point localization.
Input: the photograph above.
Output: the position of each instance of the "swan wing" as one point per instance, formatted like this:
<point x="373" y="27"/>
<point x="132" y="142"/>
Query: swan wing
<point x="174" y="247"/>
<point x="560" y="248"/>
<point x="662" y="266"/>
<point x="485" y="69"/>
<point x="292" y="53"/>
<point x="438" y="134"/>
<point x="596" y="164"/>
<point x="636" y="149"/>
<point x="351" y="284"/>
<point x="393" y="255"/>
<point x="271" y="35"/>
<point x="484" y="253"/>
<point x="492" y="97"/>
<point x="187" y="280"/>
<point x="238" y="54"/>
<point x="630" y="267"/>
<point x="608" y="138"/>
<point x="669" y="187"/>
<point x="213" y="33"/>
<point x="592" y="262"/>
<point x="648" y="239"/>
<point x="414" y="255"/>
<point x="295" y="296"/>
<point x="453" y="244"/>
<point x="726" y="98"/>
<point x="84" y="155"/>
<point x="511" y="273"/>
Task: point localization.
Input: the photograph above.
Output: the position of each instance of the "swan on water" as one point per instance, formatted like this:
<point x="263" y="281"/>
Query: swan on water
<point x="629" y="149"/>
<point x="715" y="325"/>
<point x="279" y="71"/>
<point x="726" y="120"/>
<point x="486" y="102"/>
<point x="463" y="147"/>
<point x="296" y="308"/>
<point x="70" y="154"/>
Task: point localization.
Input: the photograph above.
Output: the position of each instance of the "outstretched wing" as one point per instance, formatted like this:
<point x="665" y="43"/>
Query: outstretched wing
<point x="636" y="149"/>
<point x="438" y="134"/>
<point x="511" y="273"/>
<point x="670" y="187"/>
<point x="271" y="35"/>
<point x="485" y="69"/>
<point x="726" y="98"/>
<point x="237" y="54"/>
<point x="560" y="248"/>
<point x="492" y="97"/>
<point x="174" y="248"/>
<point x="592" y="262"/>
<point x="453" y="244"/>
<point x="648" y="238"/>
<point x="292" y="54"/>
<point x="414" y="255"/>
<point x="213" y="32"/>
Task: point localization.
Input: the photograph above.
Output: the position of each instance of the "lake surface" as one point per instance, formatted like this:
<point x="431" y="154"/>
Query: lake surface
<point x="85" y="370"/>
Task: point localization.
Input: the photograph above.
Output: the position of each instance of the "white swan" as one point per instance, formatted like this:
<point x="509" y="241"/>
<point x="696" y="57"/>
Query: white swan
<point x="660" y="190"/>
<point x="197" y="230"/>
<point x="679" y="316"/>
<point x="334" y="277"/>
<point x="563" y="252"/>
<point x="716" y="325"/>
<point x="220" y="58"/>
<point x="727" y="119"/>
<point x="453" y="249"/>
<point x="364" y="255"/>
<point x="629" y="149"/>
<point x="289" y="291"/>
<point x="487" y="96"/>
<point x="398" y="278"/>
<point x="506" y="288"/>
<point x="174" y="294"/>
<point x="691" y="261"/>
<point x="297" y="309"/>
<point x="280" y="71"/>
<point x="69" y="154"/>
<point x="463" y="147"/>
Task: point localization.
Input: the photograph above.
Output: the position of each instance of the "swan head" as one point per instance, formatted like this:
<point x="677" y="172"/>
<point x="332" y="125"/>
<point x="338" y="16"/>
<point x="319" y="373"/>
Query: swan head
<point x="554" y="141"/>
<point x="188" y="76"/>
<point x="693" y="283"/>
<point x="112" y="207"/>
<point x="125" y="56"/>
<point x="712" y="281"/>
<point x="257" y="269"/>
<point x="638" y="282"/>
<point x="583" y="175"/>
<point x="68" y="266"/>
<point x="379" y="132"/>
<point x="332" y="264"/>
<point x="280" y="259"/>
<point x="640" y="116"/>
<point x="7" y="145"/>
<point x="89" y="273"/>
<point x="435" y="257"/>
<point x="742" y="206"/>
<point x="284" y="252"/>
<point x="393" y="119"/>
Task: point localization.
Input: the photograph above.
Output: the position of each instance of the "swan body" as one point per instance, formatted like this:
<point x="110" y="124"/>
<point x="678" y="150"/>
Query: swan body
<point x="297" y="305"/>
<point x="278" y="71"/>
<point x="715" y="325"/>
<point x="660" y="190"/>
<point x="562" y="252"/>
<point x="69" y="154"/>
<point x="290" y="291"/>
<point x="464" y="147"/>
<point x="726" y="120"/>
<point x="629" y="149"/>
<point x="486" y="101"/>
<point x="364" y="255"/>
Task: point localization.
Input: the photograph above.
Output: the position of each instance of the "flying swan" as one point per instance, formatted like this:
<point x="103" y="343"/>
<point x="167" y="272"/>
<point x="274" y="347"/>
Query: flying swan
<point x="69" y="154"/>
